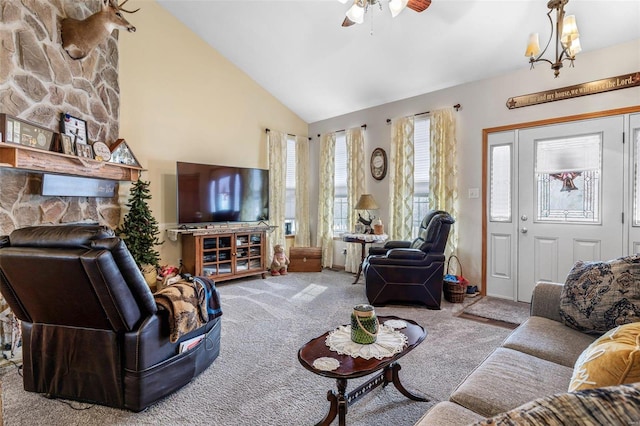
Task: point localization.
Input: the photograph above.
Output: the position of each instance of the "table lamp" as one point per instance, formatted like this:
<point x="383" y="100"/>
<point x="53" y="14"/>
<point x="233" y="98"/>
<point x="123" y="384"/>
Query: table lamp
<point x="366" y="202"/>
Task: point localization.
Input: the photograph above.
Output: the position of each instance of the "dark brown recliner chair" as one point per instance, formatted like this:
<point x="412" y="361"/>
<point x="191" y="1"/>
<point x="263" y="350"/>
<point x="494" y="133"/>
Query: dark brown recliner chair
<point x="410" y="272"/>
<point x="91" y="330"/>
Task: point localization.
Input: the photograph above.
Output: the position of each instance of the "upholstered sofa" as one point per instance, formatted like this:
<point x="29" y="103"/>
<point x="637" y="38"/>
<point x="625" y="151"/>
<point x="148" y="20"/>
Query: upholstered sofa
<point x="526" y="380"/>
<point x="91" y="329"/>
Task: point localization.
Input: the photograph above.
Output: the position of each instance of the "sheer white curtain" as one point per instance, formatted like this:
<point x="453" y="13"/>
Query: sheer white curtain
<point x="443" y="186"/>
<point x="325" y="199"/>
<point x="401" y="179"/>
<point x="303" y="235"/>
<point x="355" y="187"/>
<point x="277" y="151"/>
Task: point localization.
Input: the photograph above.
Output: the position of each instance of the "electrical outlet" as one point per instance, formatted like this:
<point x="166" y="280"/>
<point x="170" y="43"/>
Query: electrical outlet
<point x="474" y="192"/>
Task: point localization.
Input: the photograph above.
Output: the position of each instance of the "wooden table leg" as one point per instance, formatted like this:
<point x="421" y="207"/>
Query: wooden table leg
<point x="391" y="376"/>
<point x="337" y="405"/>
<point x="364" y="243"/>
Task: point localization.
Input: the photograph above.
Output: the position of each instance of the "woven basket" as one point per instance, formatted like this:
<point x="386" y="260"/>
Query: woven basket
<point x="454" y="291"/>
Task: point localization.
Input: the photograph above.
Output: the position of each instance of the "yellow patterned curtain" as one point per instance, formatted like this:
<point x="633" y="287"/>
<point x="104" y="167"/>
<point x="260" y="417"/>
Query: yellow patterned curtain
<point x="303" y="234"/>
<point x="355" y="187"/>
<point x="444" y="170"/>
<point x="401" y="179"/>
<point x="277" y="151"/>
<point x="325" y="200"/>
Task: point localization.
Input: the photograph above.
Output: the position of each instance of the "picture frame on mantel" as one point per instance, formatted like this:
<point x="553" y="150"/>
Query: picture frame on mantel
<point x="21" y="132"/>
<point x="74" y="127"/>
<point x="122" y="154"/>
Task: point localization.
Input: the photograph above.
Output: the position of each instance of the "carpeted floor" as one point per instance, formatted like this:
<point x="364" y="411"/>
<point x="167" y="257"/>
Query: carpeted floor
<point x="500" y="310"/>
<point x="257" y="380"/>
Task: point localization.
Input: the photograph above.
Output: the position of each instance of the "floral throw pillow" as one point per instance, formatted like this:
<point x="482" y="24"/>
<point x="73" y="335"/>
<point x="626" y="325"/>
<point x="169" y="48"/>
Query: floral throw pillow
<point x="599" y="296"/>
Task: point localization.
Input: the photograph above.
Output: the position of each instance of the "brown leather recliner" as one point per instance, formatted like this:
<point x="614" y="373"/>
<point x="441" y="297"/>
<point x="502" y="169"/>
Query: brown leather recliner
<point x="91" y="330"/>
<point x="410" y="272"/>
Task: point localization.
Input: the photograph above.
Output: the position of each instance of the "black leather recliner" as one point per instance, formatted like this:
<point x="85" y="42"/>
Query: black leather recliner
<point x="91" y="330"/>
<point x="410" y="272"/>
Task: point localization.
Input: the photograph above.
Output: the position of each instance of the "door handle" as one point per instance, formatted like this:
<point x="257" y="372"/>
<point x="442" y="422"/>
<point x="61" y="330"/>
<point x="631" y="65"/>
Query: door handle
<point x="524" y="230"/>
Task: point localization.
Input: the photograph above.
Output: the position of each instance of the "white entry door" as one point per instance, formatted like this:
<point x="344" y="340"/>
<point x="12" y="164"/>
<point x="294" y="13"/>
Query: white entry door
<point x="571" y="198"/>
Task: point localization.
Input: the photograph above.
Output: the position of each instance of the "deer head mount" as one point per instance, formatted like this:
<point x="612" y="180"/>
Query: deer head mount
<point x="79" y="37"/>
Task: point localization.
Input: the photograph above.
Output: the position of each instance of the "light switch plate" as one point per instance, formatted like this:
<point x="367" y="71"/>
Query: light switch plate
<point x="474" y="192"/>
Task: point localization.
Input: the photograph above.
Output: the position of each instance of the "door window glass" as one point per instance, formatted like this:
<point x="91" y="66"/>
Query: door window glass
<point x="567" y="173"/>
<point x="500" y="185"/>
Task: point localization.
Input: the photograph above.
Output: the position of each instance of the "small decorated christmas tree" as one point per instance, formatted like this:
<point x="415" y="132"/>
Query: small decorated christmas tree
<point x="140" y="229"/>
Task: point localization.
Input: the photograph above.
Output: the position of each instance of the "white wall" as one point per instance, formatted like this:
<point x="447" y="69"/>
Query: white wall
<point x="483" y="106"/>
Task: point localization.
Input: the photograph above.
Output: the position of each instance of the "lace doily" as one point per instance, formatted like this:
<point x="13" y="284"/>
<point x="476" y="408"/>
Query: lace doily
<point x="396" y="324"/>
<point x="388" y="343"/>
<point x="326" y="364"/>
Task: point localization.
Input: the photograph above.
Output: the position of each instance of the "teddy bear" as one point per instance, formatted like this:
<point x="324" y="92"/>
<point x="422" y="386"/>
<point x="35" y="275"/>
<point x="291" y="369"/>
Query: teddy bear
<point x="280" y="261"/>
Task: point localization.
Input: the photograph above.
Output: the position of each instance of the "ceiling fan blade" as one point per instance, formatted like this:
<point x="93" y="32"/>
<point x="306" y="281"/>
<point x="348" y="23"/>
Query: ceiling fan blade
<point x="347" y="22"/>
<point x="419" y="5"/>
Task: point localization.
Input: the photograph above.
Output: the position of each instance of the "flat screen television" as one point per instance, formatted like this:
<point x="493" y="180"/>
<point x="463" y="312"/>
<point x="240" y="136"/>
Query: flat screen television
<point x="209" y="193"/>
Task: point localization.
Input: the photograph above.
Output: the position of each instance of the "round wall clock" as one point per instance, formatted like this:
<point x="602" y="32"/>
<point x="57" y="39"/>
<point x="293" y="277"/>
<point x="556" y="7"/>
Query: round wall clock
<point x="378" y="164"/>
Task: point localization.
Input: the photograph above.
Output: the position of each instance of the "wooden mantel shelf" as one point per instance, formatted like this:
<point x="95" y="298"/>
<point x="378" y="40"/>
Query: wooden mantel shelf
<point x="37" y="160"/>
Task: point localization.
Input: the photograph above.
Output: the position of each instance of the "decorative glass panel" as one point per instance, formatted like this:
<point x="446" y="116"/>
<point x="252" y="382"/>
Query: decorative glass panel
<point x="500" y="185"/>
<point x="636" y="177"/>
<point x="567" y="172"/>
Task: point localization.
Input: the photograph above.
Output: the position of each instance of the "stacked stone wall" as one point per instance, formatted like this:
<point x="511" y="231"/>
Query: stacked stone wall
<point x="38" y="82"/>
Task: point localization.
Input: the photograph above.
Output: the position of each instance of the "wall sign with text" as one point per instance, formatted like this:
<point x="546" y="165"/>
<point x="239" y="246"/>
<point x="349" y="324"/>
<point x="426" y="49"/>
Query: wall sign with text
<point x="599" y="86"/>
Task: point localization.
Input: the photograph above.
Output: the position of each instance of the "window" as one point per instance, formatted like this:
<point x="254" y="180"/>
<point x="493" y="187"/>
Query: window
<point x="500" y="184"/>
<point x="421" y="170"/>
<point x="290" y="187"/>
<point x="340" y="213"/>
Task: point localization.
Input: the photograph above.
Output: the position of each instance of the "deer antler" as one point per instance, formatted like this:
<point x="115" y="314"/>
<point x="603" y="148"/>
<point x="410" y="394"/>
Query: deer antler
<point x="119" y="7"/>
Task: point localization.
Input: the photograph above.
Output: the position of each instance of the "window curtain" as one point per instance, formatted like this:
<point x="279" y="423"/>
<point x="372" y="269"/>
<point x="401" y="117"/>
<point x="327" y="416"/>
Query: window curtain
<point x="444" y="170"/>
<point x="303" y="234"/>
<point x="355" y="188"/>
<point x="401" y="179"/>
<point x="325" y="199"/>
<point x="277" y="151"/>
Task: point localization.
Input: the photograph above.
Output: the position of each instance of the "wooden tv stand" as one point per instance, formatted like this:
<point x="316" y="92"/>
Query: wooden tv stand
<point x="225" y="253"/>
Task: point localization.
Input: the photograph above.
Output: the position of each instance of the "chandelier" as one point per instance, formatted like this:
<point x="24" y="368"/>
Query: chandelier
<point x="355" y="14"/>
<point x="567" y="44"/>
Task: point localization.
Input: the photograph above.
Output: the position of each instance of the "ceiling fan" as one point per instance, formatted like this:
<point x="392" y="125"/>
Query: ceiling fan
<point x="355" y="14"/>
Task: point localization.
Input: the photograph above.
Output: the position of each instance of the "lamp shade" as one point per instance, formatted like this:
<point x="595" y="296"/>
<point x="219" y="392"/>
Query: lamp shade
<point x="533" y="46"/>
<point x="397" y="6"/>
<point x="366" y="202"/>
<point x="356" y="13"/>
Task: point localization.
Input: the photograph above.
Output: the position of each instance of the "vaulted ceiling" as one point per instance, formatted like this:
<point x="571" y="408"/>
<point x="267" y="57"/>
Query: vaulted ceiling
<point x="298" y="51"/>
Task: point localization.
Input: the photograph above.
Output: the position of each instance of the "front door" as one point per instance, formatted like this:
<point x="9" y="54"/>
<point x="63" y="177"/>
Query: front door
<point x="555" y="195"/>
<point x="571" y="198"/>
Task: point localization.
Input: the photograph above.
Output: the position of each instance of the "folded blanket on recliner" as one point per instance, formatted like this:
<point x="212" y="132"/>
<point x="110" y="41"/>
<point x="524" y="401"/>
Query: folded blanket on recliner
<point x="189" y="304"/>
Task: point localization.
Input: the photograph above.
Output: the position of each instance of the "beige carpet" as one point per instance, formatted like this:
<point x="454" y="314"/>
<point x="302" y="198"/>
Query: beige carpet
<point x="496" y="309"/>
<point x="257" y="380"/>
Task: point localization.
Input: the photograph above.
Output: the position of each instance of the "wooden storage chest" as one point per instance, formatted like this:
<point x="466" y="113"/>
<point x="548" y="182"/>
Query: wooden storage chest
<point x="305" y="259"/>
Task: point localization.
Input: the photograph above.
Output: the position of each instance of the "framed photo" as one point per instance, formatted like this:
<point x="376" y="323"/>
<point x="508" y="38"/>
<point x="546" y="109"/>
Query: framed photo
<point x="74" y="127"/>
<point x="67" y="145"/>
<point x="84" y="150"/>
<point x="18" y="131"/>
<point x="122" y="154"/>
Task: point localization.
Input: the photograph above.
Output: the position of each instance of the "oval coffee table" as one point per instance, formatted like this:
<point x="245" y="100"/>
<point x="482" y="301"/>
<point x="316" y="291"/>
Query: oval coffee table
<point x="351" y="368"/>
